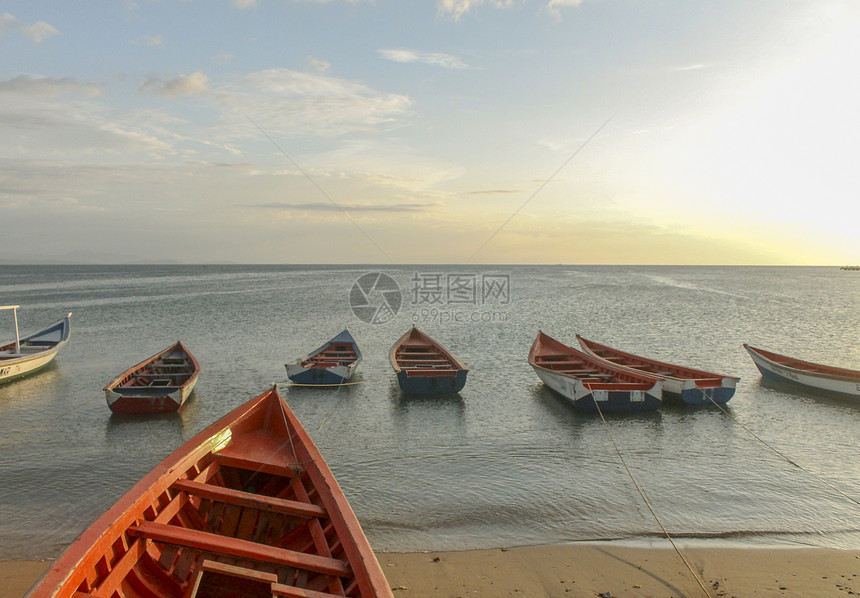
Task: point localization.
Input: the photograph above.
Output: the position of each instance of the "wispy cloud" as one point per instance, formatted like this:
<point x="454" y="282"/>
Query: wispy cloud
<point x="181" y="86"/>
<point x="457" y="8"/>
<point x="38" y="31"/>
<point x="433" y="58"/>
<point x="690" y="67"/>
<point x="154" y="41"/>
<point x="242" y="4"/>
<point x="49" y="87"/>
<point x="286" y="101"/>
<point x="328" y="207"/>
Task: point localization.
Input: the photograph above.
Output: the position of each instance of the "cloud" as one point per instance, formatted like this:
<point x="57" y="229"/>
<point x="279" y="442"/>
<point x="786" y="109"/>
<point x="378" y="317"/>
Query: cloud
<point x="318" y="66"/>
<point x="49" y="87"/>
<point x="181" y="86"/>
<point x="330" y="207"/>
<point x="154" y="41"/>
<point x="242" y="4"/>
<point x="457" y="8"/>
<point x="290" y="102"/>
<point x="38" y="31"/>
<point x="433" y="58"/>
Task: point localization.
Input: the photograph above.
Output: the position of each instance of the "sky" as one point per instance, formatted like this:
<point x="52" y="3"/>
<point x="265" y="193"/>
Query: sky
<point x="451" y="132"/>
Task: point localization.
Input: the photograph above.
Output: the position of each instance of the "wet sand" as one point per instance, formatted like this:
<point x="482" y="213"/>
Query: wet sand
<point x="588" y="570"/>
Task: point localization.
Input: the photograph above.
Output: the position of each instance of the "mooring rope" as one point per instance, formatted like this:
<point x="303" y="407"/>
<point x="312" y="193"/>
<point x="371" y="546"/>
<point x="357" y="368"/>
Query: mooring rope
<point x="786" y="458"/>
<point x="338" y="384"/>
<point x="648" y="504"/>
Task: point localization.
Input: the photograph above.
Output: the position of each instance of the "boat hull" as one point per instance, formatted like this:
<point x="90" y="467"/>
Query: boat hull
<point x="425" y="367"/>
<point x="591" y="397"/>
<point x="681" y="384"/>
<point x="149" y="400"/>
<point x="25" y="366"/>
<point x="687" y="392"/>
<point x="320" y="376"/>
<point x="333" y="363"/>
<point x="416" y="384"/>
<point x="843" y="386"/>
<point x="36" y="351"/>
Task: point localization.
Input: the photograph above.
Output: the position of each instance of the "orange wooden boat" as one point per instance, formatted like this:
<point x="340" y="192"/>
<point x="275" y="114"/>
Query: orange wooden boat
<point x="247" y="508"/>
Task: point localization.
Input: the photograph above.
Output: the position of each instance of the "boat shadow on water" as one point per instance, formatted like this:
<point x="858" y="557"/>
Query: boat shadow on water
<point x="794" y="391"/>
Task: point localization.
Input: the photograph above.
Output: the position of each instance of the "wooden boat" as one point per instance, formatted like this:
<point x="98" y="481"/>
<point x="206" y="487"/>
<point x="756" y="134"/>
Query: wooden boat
<point x="591" y="383"/>
<point x="333" y="363"/>
<point x="246" y="508"/>
<point x="159" y="384"/>
<point x="28" y="355"/>
<point x="688" y="385"/>
<point x="805" y="374"/>
<point x="424" y="366"/>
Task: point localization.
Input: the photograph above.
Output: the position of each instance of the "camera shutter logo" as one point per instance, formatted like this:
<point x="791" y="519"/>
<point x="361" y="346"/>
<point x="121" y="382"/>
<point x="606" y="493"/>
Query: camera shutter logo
<point x="375" y="298"/>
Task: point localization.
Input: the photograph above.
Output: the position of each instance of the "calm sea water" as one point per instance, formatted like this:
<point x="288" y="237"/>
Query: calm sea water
<point x="506" y="462"/>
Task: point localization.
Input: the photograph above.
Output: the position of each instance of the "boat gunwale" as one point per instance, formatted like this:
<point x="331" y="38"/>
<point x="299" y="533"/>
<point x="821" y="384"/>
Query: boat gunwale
<point x="335" y="339"/>
<point x="646" y="382"/>
<point x="192" y="377"/>
<point x="705" y="376"/>
<point x="838" y="373"/>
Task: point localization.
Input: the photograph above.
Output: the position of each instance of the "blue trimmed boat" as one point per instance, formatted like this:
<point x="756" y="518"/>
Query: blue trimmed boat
<point x="591" y="383"/>
<point x="333" y="363"/>
<point x="688" y="385"/>
<point x="424" y="366"/>
<point x="805" y="374"/>
<point x="28" y="355"/>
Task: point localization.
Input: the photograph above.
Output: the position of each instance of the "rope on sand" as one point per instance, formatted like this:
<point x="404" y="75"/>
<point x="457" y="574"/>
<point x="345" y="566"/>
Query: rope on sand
<point x="650" y="508"/>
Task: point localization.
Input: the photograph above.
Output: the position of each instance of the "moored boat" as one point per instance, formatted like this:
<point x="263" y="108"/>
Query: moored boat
<point x="246" y="508"/>
<point x="806" y="374"/>
<point x="29" y="354"/>
<point x="332" y="363"/>
<point x="424" y="366"/>
<point x="159" y="384"/>
<point x="688" y="385"/>
<point x="591" y="383"/>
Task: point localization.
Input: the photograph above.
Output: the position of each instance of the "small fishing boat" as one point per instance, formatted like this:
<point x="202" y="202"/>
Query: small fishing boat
<point x="333" y="363"/>
<point x="246" y="508"/>
<point x="424" y="366"/>
<point x="159" y="384"/>
<point x="805" y="374"/>
<point x="591" y="383"/>
<point x="688" y="385"/>
<point x="28" y="355"/>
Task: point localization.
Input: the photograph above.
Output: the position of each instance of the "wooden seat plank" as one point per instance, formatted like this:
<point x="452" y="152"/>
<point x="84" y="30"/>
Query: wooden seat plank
<point x="239" y="548"/>
<point x="247" y="499"/>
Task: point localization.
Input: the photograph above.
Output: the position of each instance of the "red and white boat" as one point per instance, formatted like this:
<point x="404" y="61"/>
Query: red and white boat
<point x="688" y="385"/>
<point x="591" y="383"/>
<point x="806" y="374"/>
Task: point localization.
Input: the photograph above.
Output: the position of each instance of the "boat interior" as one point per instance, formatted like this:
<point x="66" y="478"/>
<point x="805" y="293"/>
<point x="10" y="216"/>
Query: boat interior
<point x="245" y="521"/>
<point x="424" y="359"/>
<point x="332" y="355"/>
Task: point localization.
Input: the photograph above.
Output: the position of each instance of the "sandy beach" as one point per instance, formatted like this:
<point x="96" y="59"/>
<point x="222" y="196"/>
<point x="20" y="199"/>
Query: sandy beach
<point x="587" y="570"/>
